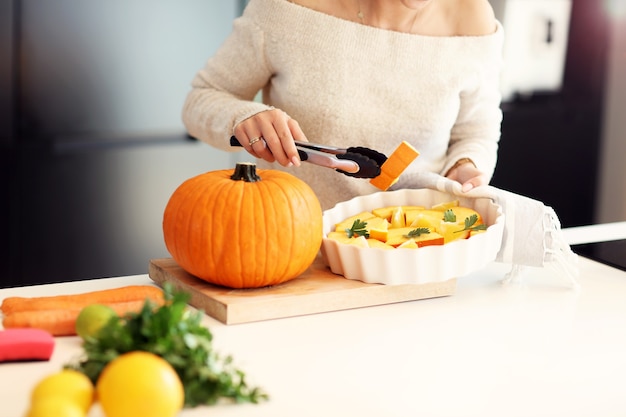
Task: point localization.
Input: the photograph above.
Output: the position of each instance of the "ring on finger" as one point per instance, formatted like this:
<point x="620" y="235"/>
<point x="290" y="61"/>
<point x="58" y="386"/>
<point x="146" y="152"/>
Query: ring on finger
<point x="255" y="140"/>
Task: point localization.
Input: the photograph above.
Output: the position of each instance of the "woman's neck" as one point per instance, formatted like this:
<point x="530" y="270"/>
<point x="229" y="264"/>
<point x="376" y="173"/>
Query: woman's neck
<point x="391" y="15"/>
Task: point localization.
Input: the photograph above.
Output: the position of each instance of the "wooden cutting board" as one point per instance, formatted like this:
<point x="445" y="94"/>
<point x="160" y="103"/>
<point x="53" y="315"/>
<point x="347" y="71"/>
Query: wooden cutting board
<point x="317" y="290"/>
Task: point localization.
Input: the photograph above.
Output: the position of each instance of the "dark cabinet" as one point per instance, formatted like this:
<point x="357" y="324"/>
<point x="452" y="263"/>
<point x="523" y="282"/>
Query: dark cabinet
<point x="551" y="142"/>
<point x="549" y="151"/>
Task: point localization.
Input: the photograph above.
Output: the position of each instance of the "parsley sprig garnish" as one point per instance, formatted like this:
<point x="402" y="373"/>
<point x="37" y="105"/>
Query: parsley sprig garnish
<point x="418" y="232"/>
<point x="449" y="216"/>
<point x="359" y="228"/>
<point x="470" y="222"/>
<point x="175" y="333"/>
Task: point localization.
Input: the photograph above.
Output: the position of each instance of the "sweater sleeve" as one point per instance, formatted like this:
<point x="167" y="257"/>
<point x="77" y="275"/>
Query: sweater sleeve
<point x="476" y="132"/>
<point x="223" y="91"/>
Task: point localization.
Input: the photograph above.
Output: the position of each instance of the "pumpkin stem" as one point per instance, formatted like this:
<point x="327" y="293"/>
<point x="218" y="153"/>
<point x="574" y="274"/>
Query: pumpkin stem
<point x="245" y="171"/>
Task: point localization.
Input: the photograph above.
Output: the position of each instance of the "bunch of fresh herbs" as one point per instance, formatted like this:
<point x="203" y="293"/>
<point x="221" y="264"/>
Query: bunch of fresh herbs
<point x="175" y="333"/>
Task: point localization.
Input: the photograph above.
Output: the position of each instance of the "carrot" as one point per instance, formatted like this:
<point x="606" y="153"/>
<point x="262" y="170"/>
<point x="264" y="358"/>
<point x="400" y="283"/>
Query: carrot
<point x="62" y="322"/>
<point x="56" y="322"/>
<point x="77" y="301"/>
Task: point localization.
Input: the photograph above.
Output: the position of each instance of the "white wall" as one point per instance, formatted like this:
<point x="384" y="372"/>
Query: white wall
<point x="535" y="45"/>
<point x="611" y="204"/>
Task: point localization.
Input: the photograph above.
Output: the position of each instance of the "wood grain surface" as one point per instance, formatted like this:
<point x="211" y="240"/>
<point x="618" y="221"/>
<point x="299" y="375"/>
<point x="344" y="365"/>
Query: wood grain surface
<point x="317" y="290"/>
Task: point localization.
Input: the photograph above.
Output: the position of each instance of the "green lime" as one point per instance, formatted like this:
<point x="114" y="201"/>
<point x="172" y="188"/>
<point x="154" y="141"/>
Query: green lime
<point x="92" y="318"/>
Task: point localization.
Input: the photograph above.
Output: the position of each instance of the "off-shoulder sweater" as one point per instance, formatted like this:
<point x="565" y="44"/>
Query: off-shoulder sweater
<point x="349" y="84"/>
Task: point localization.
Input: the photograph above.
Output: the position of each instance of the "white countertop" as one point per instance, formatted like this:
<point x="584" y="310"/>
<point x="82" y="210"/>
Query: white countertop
<point x="535" y="348"/>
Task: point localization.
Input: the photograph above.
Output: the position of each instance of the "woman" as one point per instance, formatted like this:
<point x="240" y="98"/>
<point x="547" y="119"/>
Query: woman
<point x="367" y="73"/>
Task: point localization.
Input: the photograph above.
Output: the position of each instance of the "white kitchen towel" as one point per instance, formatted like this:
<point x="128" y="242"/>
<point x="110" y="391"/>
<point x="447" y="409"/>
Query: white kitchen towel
<point x="532" y="231"/>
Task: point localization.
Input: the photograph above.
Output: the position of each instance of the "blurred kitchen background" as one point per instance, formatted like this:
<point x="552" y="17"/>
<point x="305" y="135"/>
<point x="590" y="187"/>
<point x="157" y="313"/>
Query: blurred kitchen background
<point x="92" y="146"/>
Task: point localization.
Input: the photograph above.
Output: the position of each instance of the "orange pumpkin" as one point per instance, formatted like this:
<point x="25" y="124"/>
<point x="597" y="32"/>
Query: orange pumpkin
<point x="243" y="230"/>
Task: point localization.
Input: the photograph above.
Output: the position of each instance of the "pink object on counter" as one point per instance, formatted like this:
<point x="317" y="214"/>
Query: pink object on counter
<point x="25" y="344"/>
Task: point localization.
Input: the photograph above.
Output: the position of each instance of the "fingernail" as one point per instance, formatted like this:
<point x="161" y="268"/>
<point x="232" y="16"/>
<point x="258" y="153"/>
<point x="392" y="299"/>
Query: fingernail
<point x="295" y="161"/>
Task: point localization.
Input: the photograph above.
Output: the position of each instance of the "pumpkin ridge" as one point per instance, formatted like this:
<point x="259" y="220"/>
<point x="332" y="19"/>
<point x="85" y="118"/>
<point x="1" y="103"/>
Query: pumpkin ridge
<point x="247" y="247"/>
<point x="179" y="234"/>
<point x="299" y="202"/>
<point x="269" y="217"/>
<point x="275" y="260"/>
<point x="187" y="237"/>
<point x="310" y="232"/>
<point x="233" y="253"/>
<point x="201" y="229"/>
<point x="288" y="191"/>
<point x="212" y="259"/>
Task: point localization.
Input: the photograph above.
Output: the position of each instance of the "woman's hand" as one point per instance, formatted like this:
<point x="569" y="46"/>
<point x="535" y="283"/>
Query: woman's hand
<point x="269" y="135"/>
<point x="468" y="175"/>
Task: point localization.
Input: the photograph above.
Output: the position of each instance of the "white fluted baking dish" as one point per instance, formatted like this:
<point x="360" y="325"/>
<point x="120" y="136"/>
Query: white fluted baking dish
<point x="412" y="266"/>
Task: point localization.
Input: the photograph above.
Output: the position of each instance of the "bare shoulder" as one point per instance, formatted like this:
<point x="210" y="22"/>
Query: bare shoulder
<point x="473" y="17"/>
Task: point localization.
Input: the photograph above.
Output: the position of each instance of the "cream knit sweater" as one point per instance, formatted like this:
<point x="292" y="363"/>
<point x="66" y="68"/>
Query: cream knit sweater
<point x="353" y="85"/>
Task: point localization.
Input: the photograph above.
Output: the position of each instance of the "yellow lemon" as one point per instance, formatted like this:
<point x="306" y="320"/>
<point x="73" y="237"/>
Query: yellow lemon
<point x="55" y="406"/>
<point x="92" y="318"/>
<point x="69" y="384"/>
<point x="140" y="384"/>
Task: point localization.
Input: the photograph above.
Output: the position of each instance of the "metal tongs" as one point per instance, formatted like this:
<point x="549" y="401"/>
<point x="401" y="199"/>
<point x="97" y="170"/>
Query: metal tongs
<point x="355" y="161"/>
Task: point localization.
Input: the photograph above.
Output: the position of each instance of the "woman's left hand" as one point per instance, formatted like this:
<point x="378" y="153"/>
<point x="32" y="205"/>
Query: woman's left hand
<point x="468" y="175"/>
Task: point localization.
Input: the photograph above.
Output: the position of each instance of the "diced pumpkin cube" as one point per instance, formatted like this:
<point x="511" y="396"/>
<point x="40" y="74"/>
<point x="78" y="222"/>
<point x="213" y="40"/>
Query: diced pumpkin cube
<point x="384" y="181"/>
<point x="377" y="223"/>
<point x="430" y="239"/>
<point x="397" y="218"/>
<point x="385" y="212"/>
<point x="360" y="241"/>
<point x="464" y="212"/>
<point x="453" y="231"/>
<point x="400" y="159"/>
<point x="427" y="218"/>
<point x="398" y="236"/>
<point x="397" y="162"/>
<point x="445" y="205"/>
<point x="375" y="243"/>
<point x="341" y="237"/>
<point x="411" y="214"/>
<point x="347" y="223"/>
<point x="408" y="244"/>
<point x="379" y="234"/>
